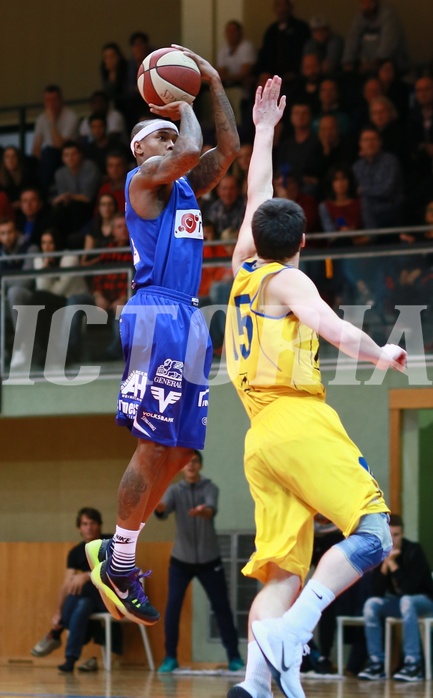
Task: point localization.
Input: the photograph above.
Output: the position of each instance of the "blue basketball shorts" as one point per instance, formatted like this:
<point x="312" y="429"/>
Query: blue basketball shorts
<point x="164" y="393"/>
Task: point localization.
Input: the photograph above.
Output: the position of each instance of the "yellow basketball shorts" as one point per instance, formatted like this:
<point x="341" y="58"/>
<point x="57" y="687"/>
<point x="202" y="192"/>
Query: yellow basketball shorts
<point x="299" y="461"/>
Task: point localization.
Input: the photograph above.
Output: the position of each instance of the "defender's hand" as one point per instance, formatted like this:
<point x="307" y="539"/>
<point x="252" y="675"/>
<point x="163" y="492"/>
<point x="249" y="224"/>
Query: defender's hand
<point x="392" y="356"/>
<point x="268" y="106"/>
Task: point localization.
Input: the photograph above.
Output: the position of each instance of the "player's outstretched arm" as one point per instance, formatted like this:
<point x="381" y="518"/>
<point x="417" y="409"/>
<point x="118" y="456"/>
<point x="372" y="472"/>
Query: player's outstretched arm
<point x="293" y="289"/>
<point x="214" y="163"/>
<point x="267" y="112"/>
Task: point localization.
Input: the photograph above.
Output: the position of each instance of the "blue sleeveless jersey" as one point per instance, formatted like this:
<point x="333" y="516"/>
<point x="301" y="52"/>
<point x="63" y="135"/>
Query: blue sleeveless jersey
<point x="168" y="250"/>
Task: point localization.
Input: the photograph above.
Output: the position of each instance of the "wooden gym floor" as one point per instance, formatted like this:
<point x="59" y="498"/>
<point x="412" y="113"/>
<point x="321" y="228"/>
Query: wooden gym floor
<point x="42" y="682"/>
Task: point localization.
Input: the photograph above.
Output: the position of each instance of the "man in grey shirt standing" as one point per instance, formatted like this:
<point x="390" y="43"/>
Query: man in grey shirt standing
<point x="376" y="35"/>
<point x="195" y="554"/>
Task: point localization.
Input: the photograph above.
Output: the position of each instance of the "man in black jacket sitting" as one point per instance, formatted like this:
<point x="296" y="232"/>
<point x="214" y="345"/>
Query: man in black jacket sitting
<point x="402" y="587"/>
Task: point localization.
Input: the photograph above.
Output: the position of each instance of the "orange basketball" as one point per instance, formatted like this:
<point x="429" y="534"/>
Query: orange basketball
<point x="168" y="75"/>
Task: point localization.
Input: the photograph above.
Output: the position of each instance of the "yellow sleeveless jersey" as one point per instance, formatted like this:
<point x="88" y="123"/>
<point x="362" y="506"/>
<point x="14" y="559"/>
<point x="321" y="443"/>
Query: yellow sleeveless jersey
<point x="268" y="357"/>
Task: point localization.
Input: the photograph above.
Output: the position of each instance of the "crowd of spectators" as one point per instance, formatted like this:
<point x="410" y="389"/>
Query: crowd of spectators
<point x="354" y="149"/>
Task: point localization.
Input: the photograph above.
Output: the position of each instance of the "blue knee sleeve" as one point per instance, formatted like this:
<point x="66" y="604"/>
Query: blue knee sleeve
<point x="369" y="544"/>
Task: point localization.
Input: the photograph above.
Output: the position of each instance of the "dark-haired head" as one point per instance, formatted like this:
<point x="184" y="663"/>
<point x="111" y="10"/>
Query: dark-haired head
<point x="199" y="455"/>
<point x="138" y="36"/>
<point x="90" y="513"/>
<point x="395" y="520"/>
<point x="278" y="227"/>
<point x="339" y="172"/>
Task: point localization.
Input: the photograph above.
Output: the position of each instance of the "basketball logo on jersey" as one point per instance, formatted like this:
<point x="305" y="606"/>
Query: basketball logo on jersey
<point x="188" y="224"/>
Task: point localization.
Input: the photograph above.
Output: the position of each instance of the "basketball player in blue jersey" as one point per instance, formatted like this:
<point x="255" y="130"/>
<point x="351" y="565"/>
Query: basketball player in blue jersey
<point x="164" y="391"/>
<point x="299" y="460"/>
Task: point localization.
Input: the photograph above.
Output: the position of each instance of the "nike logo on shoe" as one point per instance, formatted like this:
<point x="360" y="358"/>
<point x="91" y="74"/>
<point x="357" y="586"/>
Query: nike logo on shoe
<point x="120" y="594"/>
<point x="284" y="666"/>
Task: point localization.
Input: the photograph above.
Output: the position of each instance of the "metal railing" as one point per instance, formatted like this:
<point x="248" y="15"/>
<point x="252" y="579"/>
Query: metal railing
<point x="380" y="253"/>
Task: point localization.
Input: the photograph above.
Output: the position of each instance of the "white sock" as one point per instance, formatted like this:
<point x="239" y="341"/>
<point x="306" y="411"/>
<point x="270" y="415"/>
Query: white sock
<point x="257" y="675"/>
<point x="124" y="545"/>
<point x="305" y="613"/>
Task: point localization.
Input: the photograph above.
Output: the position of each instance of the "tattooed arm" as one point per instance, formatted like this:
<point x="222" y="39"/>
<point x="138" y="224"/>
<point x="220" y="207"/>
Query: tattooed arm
<point x="215" y="163"/>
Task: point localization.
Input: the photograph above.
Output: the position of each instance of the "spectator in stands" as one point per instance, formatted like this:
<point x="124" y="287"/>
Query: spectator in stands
<point x="371" y="88"/>
<point x="100" y="232"/>
<point x="329" y="99"/>
<point x="420" y="129"/>
<point x="402" y="587"/>
<point x="227" y="211"/>
<point x="241" y="165"/>
<point x="76" y="187"/>
<point x="326" y="44"/>
<point x="114" y="184"/>
<point x="341" y="212"/>
<point x="113" y="70"/>
<point x="332" y="149"/>
<point x="394" y="88"/>
<point x="196" y="553"/>
<point x="56" y="125"/>
<point x="297" y="151"/>
<point x="376" y="35"/>
<point x="306" y="87"/>
<point x="51" y="292"/>
<point x="379" y="181"/>
<point x="12" y="243"/>
<point x="140" y="47"/>
<point x="16" y="172"/>
<point x="108" y="292"/>
<point x="100" y="104"/>
<point x="408" y="278"/>
<point x="282" y="45"/>
<point x="287" y="186"/>
<point x="6" y="208"/>
<point x="33" y="216"/>
<point x="100" y="144"/>
<point x="236" y="60"/>
<point x="78" y="599"/>
<point x="384" y="116"/>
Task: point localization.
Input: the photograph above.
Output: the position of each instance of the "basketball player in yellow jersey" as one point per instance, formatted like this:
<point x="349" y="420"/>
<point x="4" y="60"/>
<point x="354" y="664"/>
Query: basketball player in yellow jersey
<point x="298" y="458"/>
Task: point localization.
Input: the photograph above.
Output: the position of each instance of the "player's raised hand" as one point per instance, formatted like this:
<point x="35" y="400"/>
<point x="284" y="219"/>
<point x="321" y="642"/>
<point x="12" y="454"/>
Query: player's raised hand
<point x="268" y="105"/>
<point x="392" y="356"/>
<point x="206" y="69"/>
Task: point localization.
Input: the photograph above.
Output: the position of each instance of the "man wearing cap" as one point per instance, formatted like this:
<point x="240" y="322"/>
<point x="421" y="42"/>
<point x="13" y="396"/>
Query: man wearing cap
<point x="164" y="391"/>
<point x="326" y="44"/>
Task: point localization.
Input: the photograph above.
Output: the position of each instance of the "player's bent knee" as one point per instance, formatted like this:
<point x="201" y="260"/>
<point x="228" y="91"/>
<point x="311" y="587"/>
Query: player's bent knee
<point x="369" y="544"/>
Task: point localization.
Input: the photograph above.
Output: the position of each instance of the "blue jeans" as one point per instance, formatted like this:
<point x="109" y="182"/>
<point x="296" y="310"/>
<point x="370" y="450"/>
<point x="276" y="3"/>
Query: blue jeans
<point x="409" y="608"/>
<point x="76" y="612"/>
